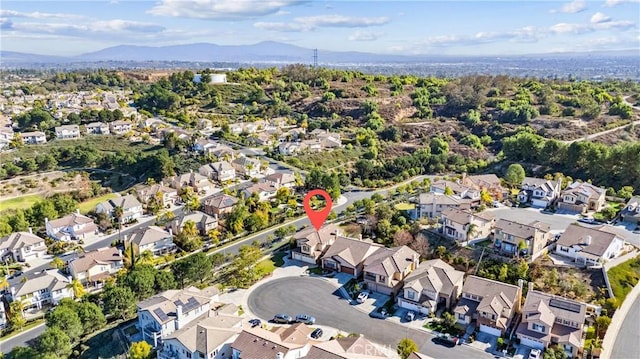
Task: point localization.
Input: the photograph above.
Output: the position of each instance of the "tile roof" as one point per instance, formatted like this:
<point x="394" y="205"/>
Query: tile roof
<point x="345" y="348"/>
<point x="199" y="218"/>
<point x="521" y="230"/>
<point x="350" y="250"/>
<point x="311" y="237"/>
<point x="388" y="261"/>
<point x="440" y="199"/>
<point x="433" y="275"/>
<point x="259" y="343"/>
<point x="464" y="217"/>
<point x="70" y="220"/>
<point x="600" y="237"/>
<point x="86" y="261"/>
<point x="126" y="202"/>
<point x="17" y="240"/>
<point x="149" y="235"/>
<point x="584" y="188"/>
<point x="632" y="208"/>
<point x="496" y="297"/>
<point x="221" y="201"/>
<point x="28" y="283"/>
<point x="208" y="332"/>
<point x="163" y="306"/>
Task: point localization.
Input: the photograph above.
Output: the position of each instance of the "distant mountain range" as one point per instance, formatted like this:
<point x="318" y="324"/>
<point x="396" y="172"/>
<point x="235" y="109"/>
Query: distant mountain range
<point x="262" y="52"/>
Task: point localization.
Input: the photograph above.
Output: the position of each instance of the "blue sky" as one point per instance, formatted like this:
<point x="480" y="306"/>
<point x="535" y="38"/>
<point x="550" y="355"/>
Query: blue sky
<point x="410" y="27"/>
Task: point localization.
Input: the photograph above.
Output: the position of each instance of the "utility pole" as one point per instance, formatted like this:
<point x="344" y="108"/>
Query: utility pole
<point x="479" y="260"/>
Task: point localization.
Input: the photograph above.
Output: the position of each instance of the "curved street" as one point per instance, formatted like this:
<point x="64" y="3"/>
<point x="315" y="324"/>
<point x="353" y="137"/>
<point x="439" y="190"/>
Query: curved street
<point x="318" y="298"/>
<point x="627" y="342"/>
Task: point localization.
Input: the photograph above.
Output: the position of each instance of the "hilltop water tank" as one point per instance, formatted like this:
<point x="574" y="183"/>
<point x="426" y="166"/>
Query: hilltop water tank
<point x="218" y="78"/>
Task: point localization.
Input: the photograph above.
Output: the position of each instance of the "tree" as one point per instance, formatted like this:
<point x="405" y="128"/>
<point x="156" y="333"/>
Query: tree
<point x="194" y="268"/>
<point x="119" y="302"/>
<point x="515" y="174"/>
<point x="189" y="236"/>
<point x="140" y="350"/>
<point x="602" y="323"/>
<point x="448" y="191"/>
<point x="54" y="342"/>
<point x="77" y="288"/>
<point x="118" y="212"/>
<point x="17" y="320"/>
<point x="554" y="352"/>
<point x="406" y="347"/>
<point x="472" y="230"/>
<point x="164" y="281"/>
<point x="57" y="263"/>
<point x="91" y="317"/>
<point x="66" y="319"/>
<point x="23" y="353"/>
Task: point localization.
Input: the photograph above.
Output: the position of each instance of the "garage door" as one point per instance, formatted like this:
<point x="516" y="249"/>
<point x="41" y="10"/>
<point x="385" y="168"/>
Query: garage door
<point x="407" y="305"/>
<point x="490" y="330"/>
<point x="347" y="270"/>
<point x="531" y="343"/>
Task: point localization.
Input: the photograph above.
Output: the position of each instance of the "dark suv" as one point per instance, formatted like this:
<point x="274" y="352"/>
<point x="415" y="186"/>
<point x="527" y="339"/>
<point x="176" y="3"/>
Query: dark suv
<point x="446" y="340"/>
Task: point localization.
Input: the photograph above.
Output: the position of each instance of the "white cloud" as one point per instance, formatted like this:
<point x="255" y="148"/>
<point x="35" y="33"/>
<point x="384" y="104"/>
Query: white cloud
<point x="5" y="24"/>
<point x="221" y="9"/>
<point x="38" y="15"/>
<point x="308" y="23"/>
<point x="572" y="7"/>
<point x="526" y="34"/>
<point x="612" y="3"/>
<point x="564" y="28"/>
<point x="102" y="29"/>
<point x="361" y="35"/>
<point x="599" y="17"/>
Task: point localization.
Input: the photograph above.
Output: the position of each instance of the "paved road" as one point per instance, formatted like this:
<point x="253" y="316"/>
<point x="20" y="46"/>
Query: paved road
<point x="25" y="338"/>
<point x="316" y="297"/>
<point x="627" y="344"/>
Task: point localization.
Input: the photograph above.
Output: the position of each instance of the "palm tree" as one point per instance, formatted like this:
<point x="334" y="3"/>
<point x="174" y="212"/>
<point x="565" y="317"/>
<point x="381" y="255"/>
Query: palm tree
<point x="472" y="230"/>
<point x="57" y="263"/>
<point x="77" y="287"/>
<point x="146" y="257"/>
<point x="118" y="212"/>
<point x="189" y="230"/>
<point x="4" y="283"/>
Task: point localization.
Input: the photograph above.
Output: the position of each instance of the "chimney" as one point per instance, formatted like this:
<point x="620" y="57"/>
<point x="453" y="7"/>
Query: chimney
<point x="360" y="236"/>
<point x="279" y="355"/>
<point x="77" y="210"/>
<point x="170" y="231"/>
<point x="30" y="230"/>
<point x="46" y="220"/>
<point x="587" y="240"/>
<point x="178" y="316"/>
<point x="530" y="286"/>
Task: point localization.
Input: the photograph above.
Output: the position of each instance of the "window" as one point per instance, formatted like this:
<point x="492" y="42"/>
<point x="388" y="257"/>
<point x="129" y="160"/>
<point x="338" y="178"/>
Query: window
<point x="460" y="316"/>
<point x="382" y="279"/>
<point x="538" y="328"/>
<point x="188" y="355"/>
<point x="411" y="294"/>
<point x="493" y="316"/>
<point x="564" y="249"/>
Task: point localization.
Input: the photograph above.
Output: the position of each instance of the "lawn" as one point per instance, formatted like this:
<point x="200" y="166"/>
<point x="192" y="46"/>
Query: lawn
<point x="90" y="204"/>
<point x="624" y="277"/>
<point x="267" y="266"/>
<point x="21" y="202"/>
<point x="404" y="206"/>
<point x="107" y="344"/>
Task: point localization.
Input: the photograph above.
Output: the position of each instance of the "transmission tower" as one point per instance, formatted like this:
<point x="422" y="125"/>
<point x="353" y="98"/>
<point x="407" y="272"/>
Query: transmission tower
<point x="315" y="57"/>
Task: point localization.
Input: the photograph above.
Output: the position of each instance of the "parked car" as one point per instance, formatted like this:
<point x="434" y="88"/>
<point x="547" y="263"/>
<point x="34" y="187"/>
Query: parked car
<point x="362" y="297"/>
<point x="255" y="323"/>
<point x="446" y="340"/>
<point x="411" y="316"/>
<point x="306" y="319"/>
<point x="316" y="334"/>
<point x="282" y="318"/>
<point x="534" y="354"/>
<point x="587" y="220"/>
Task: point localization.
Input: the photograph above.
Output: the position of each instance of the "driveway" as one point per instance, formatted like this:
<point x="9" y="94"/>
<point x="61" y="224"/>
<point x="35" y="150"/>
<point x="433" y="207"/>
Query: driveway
<point x="558" y="222"/>
<point x="319" y="298"/>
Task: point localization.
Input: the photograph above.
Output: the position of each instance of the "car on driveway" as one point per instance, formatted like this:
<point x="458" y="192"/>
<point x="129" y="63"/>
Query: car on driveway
<point x="316" y="334"/>
<point x="446" y="340"/>
<point x="306" y="319"/>
<point x="282" y="318"/>
<point x="362" y="297"/>
<point x="255" y="323"/>
<point x="411" y="315"/>
<point x="587" y="220"/>
<point x="534" y="354"/>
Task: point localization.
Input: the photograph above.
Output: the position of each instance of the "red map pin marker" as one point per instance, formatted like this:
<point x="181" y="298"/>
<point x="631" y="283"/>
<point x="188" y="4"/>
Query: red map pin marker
<point x="317" y="218"/>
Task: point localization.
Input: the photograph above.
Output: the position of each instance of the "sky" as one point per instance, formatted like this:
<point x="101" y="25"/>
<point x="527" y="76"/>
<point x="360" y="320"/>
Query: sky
<point x="474" y="27"/>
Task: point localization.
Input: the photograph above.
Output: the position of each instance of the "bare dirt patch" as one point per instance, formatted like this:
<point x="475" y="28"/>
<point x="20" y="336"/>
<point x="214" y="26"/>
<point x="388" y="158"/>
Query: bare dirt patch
<point x="44" y="183"/>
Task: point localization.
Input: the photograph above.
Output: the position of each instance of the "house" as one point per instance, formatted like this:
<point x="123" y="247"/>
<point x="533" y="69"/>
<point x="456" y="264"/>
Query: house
<point x="590" y="245"/>
<point x="311" y="146"/>
<point x="508" y="235"/>
<point x="222" y="153"/>
<point x="264" y="190"/>
<point x="203" y="222"/>
<point x="154" y="239"/>
<point x="433" y="284"/>
<point x="289" y="148"/>
<point x="431" y="205"/>
<point x="416" y="355"/>
<point x="120" y="127"/>
<point x="33" y="138"/>
<point x="219" y="205"/>
<point x="385" y="270"/>
<point x="539" y="192"/>
<point x="74" y="226"/>
<point x="552" y="320"/>
<point x="22" y="246"/>
<point x="466" y="226"/>
<point x="163" y="195"/>
<point x="281" y="179"/>
<point x="207" y="337"/>
<point x="347" y="255"/>
<point x="489" y="183"/>
<point x="582" y="197"/>
<point x="346" y="348"/>
<point x="172" y="310"/>
<point x="94" y="267"/>
<point x="456" y="189"/>
<point x="491" y="303"/>
<point x="220" y="171"/>
<point x="131" y="208"/>
<point x="37" y="290"/>
<point x="631" y="211"/>
<point x="153" y="123"/>
<point x="97" y="128"/>
<point x="246" y="166"/>
<point x="198" y="182"/>
<point x="66" y="132"/>
<point x="311" y="244"/>
<point x="279" y="342"/>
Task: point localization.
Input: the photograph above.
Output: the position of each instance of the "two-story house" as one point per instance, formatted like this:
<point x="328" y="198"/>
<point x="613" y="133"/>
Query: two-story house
<point x="280" y="342"/>
<point x="94" y="267"/>
<point x="489" y="183"/>
<point x="631" y="211"/>
<point x="203" y="222"/>
<point x="281" y="179"/>
<point x="199" y="183"/>
<point x="22" y="246"/>
<point x="582" y="197"/>
<point x="539" y="192"/>
<point x="347" y="255"/>
<point x="172" y="310"/>
<point x="165" y="196"/>
<point x="350" y="347"/>
<point x="385" y="270"/>
<point x="220" y="171"/>
<point x="456" y="189"/>
<point x="74" y="226"/>
<point x="431" y="205"/>
<point x="311" y="244"/>
<point x="120" y="127"/>
<point x="246" y="166"/>
<point x="97" y="128"/>
<point x="219" y="205"/>
<point x="131" y="208"/>
<point x="154" y="239"/>
<point x="433" y="284"/>
<point x="465" y="226"/>
<point x="590" y="245"/>
<point x="37" y="290"/>
<point x="209" y="337"/>
<point x="33" y="138"/>
<point x="491" y="303"/>
<point x="552" y="320"/>
<point x="66" y="132"/>
<point x="264" y="190"/>
<point x="519" y="239"/>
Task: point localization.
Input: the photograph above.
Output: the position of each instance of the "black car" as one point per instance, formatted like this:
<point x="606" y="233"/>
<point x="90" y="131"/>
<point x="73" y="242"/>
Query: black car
<point x="316" y="334"/>
<point x="255" y="323"/>
<point x="446" y="340"/>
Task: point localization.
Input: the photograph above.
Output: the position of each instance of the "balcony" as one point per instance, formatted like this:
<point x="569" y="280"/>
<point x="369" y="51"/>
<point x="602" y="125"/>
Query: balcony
<point x="167" y="354"/>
